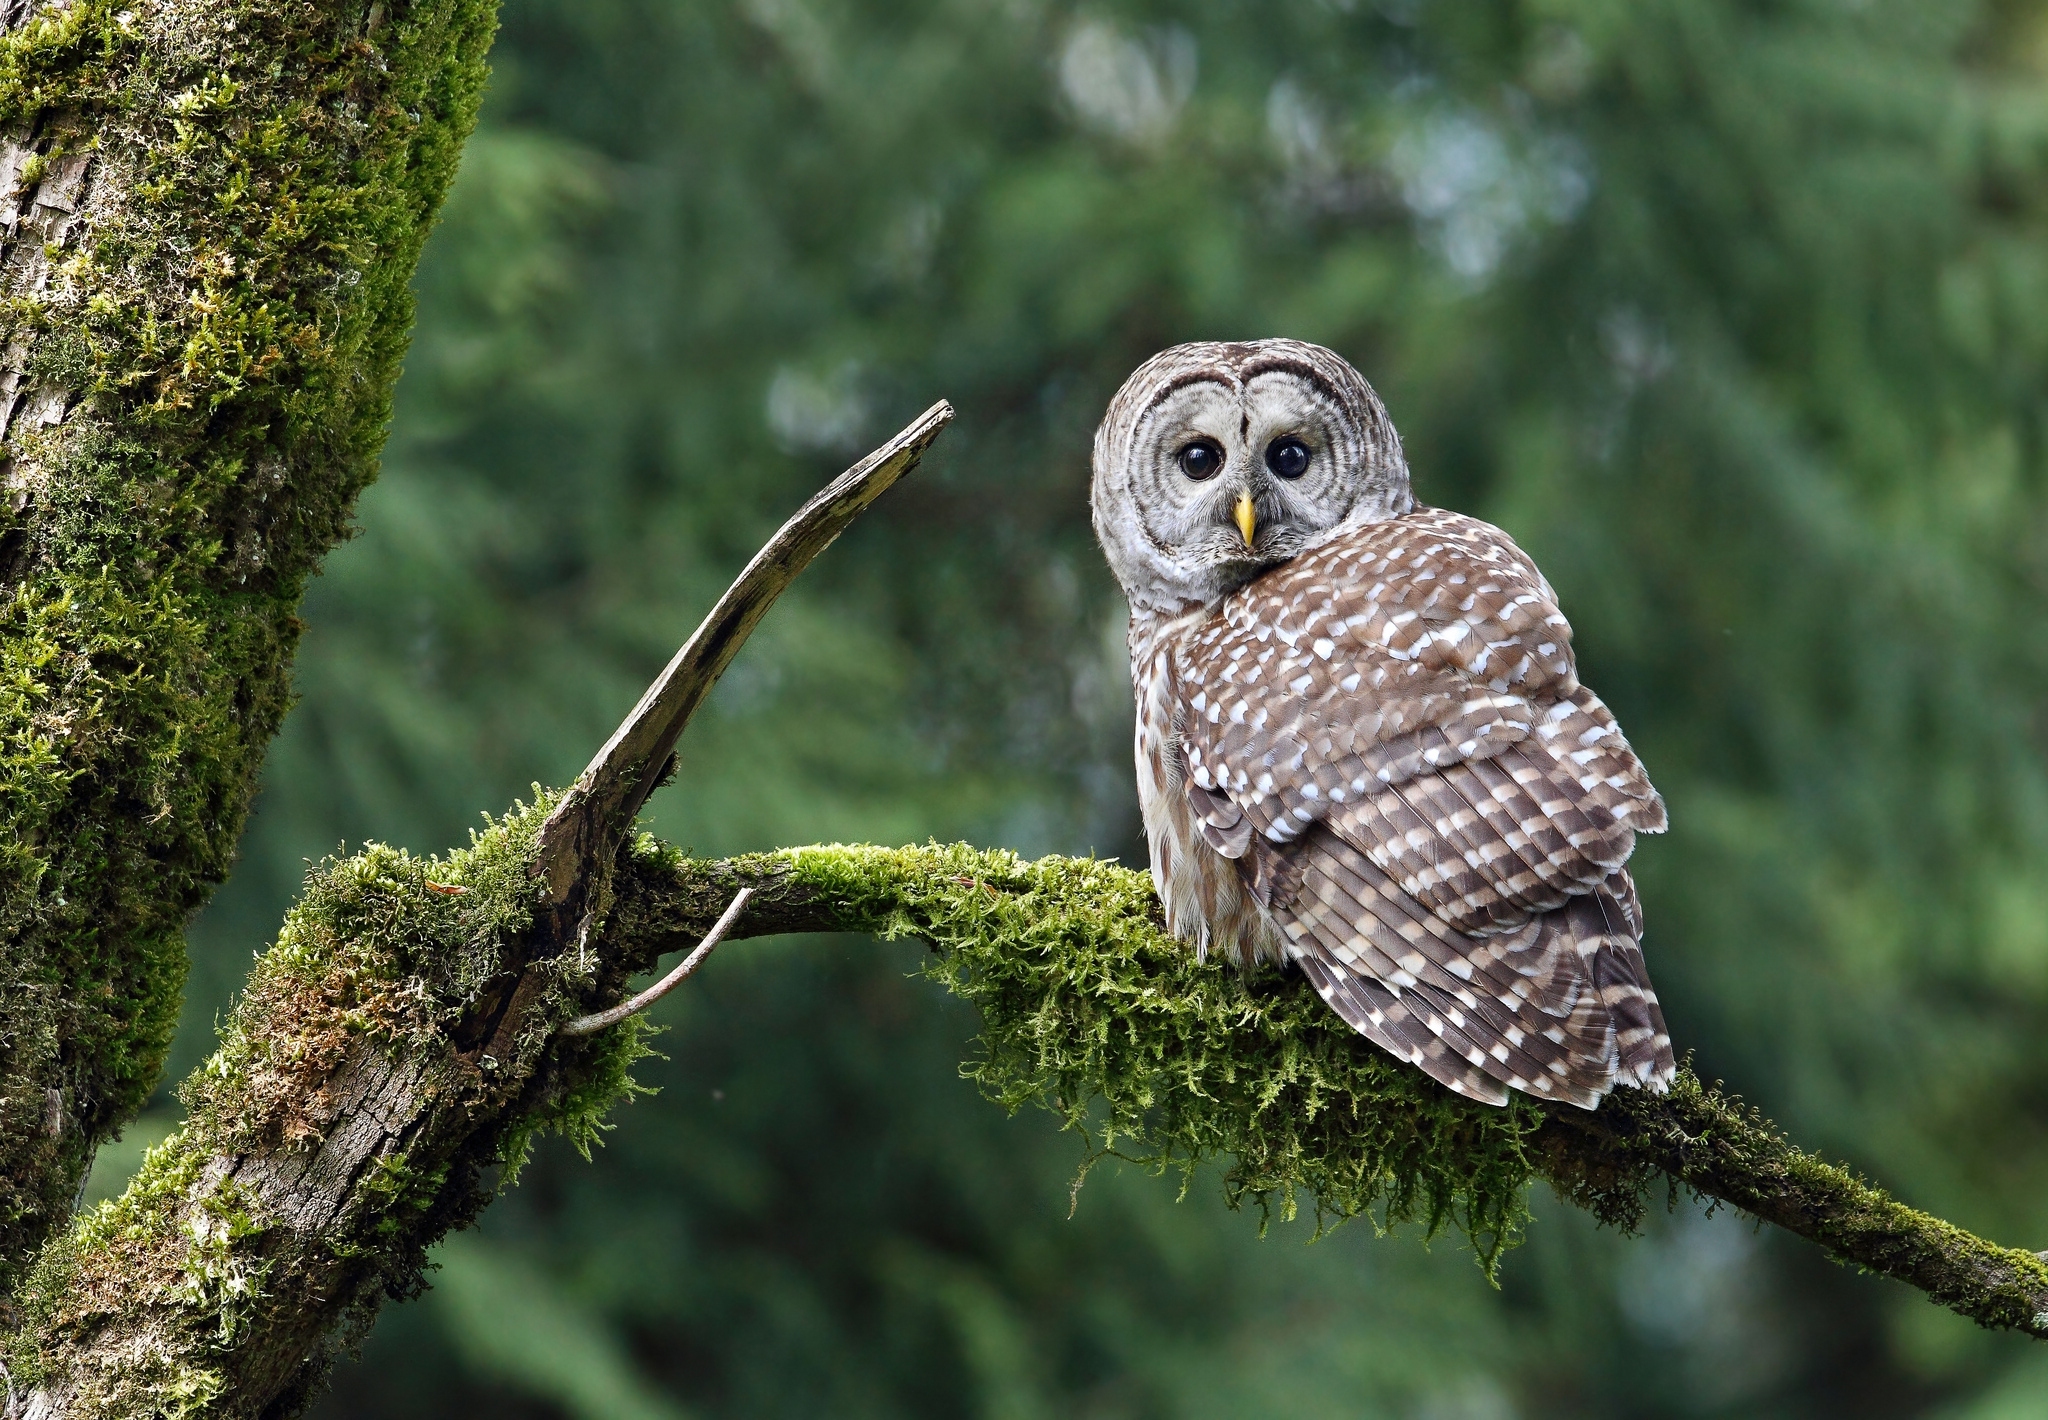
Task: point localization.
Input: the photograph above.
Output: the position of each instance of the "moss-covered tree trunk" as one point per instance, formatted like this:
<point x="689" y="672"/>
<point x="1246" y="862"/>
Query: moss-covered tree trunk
<point x="210" y="211"/>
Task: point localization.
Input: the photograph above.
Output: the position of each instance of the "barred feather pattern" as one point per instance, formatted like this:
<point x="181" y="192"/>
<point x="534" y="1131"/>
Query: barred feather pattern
<point x="1376" y="761"/>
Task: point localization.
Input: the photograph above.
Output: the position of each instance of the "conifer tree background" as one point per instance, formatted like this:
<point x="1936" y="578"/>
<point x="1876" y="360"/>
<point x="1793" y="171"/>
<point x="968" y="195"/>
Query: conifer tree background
<point x="1731" y="313"/>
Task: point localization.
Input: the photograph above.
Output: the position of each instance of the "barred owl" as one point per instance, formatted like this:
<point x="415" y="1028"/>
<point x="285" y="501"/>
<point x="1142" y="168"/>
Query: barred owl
<point x="1362" y="746"/>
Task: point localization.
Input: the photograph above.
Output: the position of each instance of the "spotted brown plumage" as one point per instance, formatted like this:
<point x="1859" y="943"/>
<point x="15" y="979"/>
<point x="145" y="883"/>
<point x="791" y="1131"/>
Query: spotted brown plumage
<point x="1370" y="755"/>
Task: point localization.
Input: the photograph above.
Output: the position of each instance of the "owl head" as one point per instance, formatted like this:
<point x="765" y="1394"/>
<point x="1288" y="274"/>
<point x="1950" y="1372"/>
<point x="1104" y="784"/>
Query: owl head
<point x="1217" y="461"/>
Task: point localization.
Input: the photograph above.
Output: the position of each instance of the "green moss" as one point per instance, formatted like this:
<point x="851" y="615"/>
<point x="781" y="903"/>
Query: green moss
<point x="167" y="1174"/>
<point x="118" y="1251"/>
<point x="382" y="945"/>
<point x="63" y="58"/>
<point x="397" y="948"/>
<point x="221" y="1275"/>
<point x="207" y="379"/>
<point x="395" y="1194"/>
<point x="1091" y="1009"/>
<point x="600" y="1077"/>
<point x="384" y="949"/>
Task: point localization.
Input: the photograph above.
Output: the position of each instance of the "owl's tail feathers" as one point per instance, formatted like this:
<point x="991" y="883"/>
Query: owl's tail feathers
<point x="1583" y="966"/>
<point x="1388" y="1021"/>
<point x="1476" y="1013"/>
<point x="1561" y="1008"/>
<point x="1606" y="926"/>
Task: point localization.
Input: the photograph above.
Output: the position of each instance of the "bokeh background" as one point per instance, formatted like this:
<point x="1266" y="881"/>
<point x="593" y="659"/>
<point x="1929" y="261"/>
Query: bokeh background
<point x="1735" y="314"/>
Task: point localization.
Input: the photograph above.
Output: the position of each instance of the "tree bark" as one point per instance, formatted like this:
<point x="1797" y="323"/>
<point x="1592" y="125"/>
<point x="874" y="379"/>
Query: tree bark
<point x="210" y="211"/>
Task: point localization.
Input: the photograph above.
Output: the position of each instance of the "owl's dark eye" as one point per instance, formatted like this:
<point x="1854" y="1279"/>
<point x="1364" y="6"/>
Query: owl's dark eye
<point x="1287" y="457"/>
<point x="1201" y="459"/>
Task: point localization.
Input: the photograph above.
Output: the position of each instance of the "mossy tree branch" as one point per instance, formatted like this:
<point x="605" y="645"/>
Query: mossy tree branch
<point x="382" y="1063"/>
<point x="344" y="1125"/>
<point x="1088" y="1006"/>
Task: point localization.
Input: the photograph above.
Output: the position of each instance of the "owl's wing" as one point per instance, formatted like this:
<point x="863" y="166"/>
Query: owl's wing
<point x="1389" y="737"/>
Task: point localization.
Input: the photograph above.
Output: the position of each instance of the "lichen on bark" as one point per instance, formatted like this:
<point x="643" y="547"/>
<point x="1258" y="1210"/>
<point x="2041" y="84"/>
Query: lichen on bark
<point x="209" y="214"/>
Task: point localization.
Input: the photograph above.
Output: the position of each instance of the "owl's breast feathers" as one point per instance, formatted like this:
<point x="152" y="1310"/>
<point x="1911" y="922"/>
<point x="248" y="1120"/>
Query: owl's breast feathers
<point x="1377" y="761"/>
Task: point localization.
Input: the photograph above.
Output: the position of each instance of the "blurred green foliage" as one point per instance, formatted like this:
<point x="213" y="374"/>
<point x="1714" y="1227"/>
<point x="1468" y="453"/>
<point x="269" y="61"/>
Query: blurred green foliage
<point x="1735" y="314"/>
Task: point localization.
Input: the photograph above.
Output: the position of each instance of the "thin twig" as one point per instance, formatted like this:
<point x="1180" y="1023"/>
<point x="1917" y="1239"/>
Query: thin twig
<point x="597" y="1021"/>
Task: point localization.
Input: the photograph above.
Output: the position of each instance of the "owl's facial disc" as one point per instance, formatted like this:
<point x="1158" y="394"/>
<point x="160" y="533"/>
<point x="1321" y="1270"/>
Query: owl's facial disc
<point x="1217" y="462"/>
<point x="1231" y="482"/>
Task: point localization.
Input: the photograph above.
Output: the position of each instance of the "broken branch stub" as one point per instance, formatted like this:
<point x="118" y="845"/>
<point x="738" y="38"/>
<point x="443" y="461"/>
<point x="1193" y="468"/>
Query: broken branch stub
<point x="587" y="827"/>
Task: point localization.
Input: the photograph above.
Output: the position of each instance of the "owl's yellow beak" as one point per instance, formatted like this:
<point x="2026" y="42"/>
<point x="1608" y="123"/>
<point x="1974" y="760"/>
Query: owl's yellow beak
<point x="1247" y="518"/>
